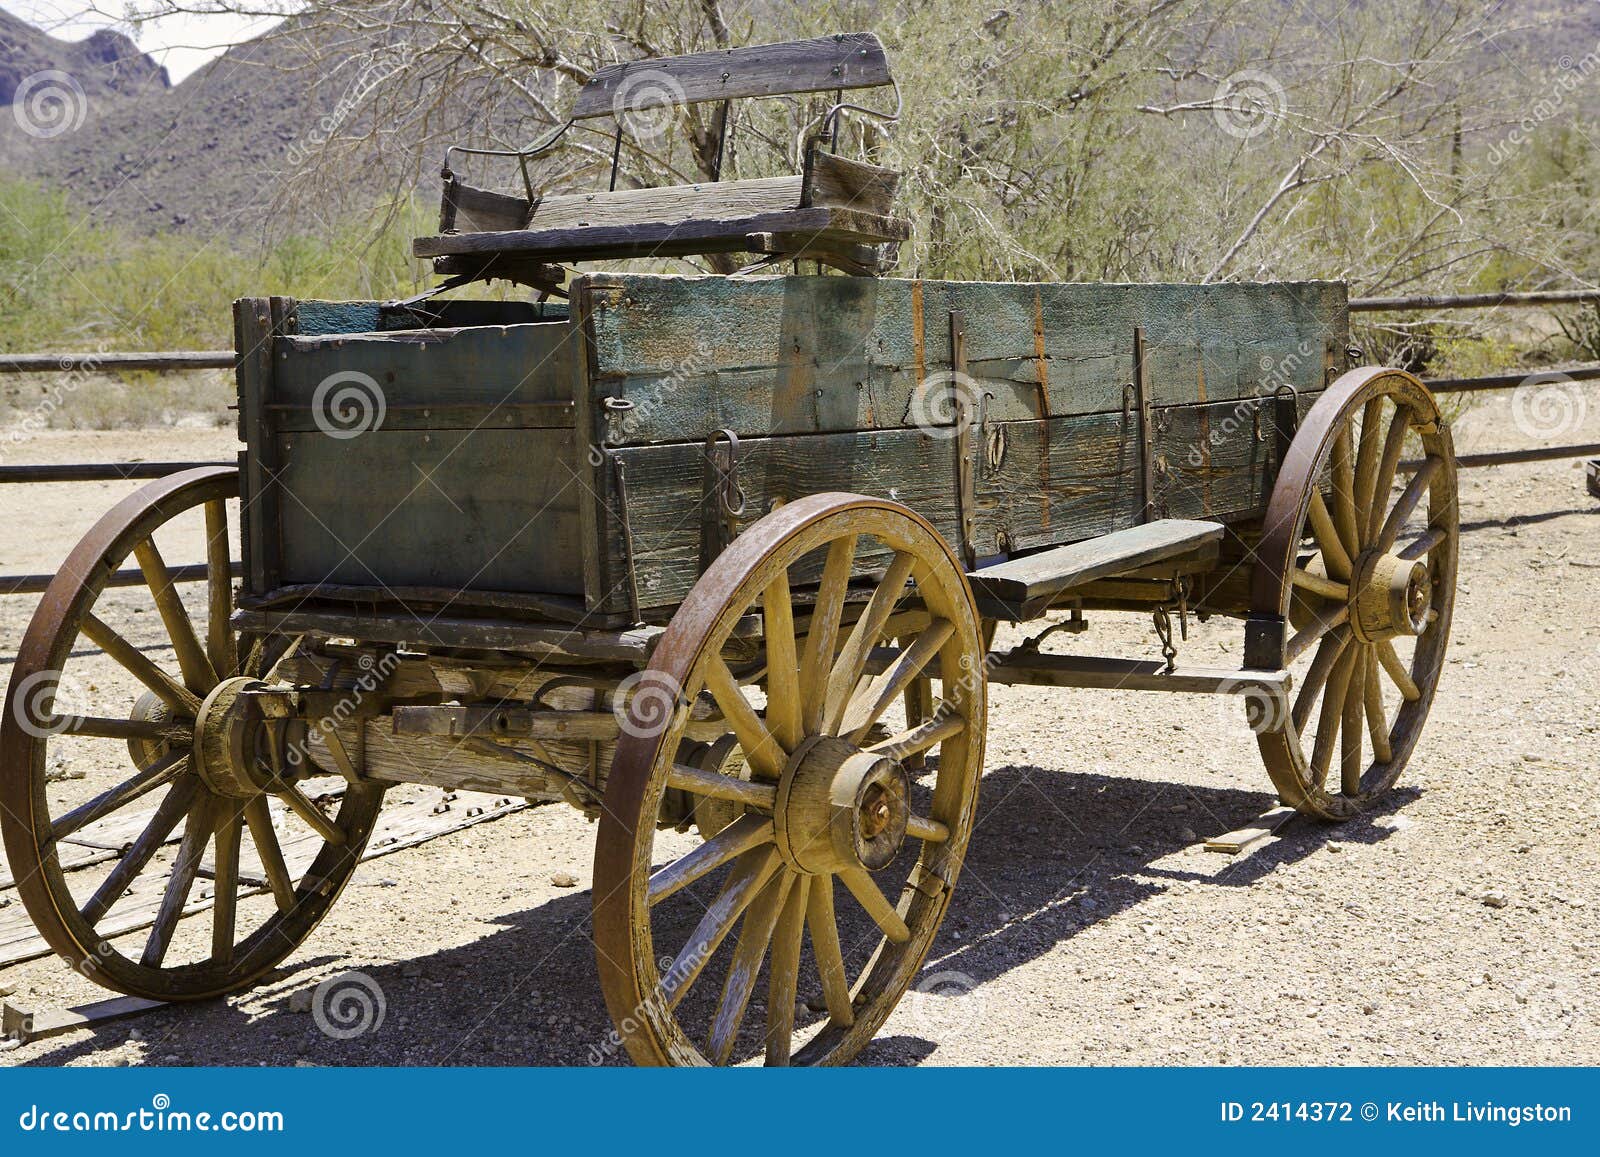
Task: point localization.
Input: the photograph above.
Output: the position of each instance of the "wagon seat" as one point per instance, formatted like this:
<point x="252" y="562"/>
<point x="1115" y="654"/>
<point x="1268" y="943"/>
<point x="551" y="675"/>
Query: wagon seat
<point x="835" y="211"/>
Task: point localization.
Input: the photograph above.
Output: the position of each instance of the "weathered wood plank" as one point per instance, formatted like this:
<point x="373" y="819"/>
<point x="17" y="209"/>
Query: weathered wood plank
<point x="850" y="60"/>
<point x="801" y="354"/>
<point x="485" y="509"/>
<point x="481" y="377"/>
<point x="669" y="205"/>
<point x="668" y="238"/>
<point x="830" y="179"/>
<point x="1024" y="585"/>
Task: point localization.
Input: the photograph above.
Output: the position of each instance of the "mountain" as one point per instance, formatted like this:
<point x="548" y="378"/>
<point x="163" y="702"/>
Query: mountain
<point x="106" y="64"/>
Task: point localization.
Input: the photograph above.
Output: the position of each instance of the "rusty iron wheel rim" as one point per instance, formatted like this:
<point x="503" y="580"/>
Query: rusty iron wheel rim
<point x="1330" y="450"/>
<point x="25" y="814"/>
<point x="630" y="970"/>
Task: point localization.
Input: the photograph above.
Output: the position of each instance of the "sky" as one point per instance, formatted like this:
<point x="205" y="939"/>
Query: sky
<point x="182" y="42"/>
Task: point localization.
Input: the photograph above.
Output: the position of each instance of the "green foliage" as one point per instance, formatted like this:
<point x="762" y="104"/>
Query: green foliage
<point x="67" y="284"/>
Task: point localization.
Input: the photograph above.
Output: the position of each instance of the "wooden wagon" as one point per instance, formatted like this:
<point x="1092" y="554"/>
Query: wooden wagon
<point x="718" y="560"/>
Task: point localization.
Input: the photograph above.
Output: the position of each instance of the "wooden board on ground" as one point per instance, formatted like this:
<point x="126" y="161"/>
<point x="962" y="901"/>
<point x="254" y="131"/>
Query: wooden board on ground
<point x="1241" y="839"/>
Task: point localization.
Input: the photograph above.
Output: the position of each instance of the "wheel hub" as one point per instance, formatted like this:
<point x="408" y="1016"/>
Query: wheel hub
<point x="228" y="734"/>
<point x="840" y="807"/>
<point x="1390" y="596"/>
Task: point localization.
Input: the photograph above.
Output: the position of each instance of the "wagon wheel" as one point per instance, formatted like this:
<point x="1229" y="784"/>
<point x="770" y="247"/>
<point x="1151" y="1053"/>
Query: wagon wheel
<point x="1363" y="577"/>
<point x="826" y="801"/>
<point x="149" y="747"/>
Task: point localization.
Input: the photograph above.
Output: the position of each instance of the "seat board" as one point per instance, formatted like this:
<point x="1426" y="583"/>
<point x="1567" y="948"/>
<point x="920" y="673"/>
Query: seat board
<point x="1022" y="587"/>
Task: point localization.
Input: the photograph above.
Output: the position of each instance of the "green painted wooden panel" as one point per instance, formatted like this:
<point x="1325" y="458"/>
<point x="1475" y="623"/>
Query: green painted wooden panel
<point x="806" y="354"/>
<point x="491" y="510"/>
<point x="490" y="376"/>
<point x="328" y="317"/>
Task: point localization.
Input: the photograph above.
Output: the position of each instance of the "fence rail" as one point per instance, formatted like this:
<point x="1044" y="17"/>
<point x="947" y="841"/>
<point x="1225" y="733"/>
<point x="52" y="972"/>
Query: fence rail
<point x="168" y="361"/>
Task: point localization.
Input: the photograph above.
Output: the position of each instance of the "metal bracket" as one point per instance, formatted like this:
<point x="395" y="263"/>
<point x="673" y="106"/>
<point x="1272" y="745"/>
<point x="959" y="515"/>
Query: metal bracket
<point x="619" y="479"/>
<point x="724" y="499"/>
<point x="1147" y="428"/>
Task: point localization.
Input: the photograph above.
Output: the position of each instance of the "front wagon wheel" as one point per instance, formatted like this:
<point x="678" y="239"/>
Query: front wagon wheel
<point x="1358" y="564"/>
<point x="837" y="867"/>
<point x="119" y="804"/>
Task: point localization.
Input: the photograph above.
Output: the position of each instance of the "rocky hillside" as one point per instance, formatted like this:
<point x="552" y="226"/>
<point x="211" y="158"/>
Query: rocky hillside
<point x="106" y="64"/>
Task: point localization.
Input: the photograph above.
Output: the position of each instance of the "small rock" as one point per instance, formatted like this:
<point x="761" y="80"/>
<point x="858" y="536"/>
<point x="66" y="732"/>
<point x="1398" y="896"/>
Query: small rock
<point x="1187" y="835"/>
<point x="1494" y="899"/>
<point x="300" y="1000"/>
<point x="1335" y="848"/>
<point x="564" y="880"/>
<point x="171" y="1059"/>
<point x="9" y="1043"/>
<point x="411" y="970"/>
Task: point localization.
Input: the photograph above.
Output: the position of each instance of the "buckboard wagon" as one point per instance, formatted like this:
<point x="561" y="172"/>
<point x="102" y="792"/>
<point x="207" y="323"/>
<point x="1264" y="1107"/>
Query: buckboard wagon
<point x="718" y="560"/>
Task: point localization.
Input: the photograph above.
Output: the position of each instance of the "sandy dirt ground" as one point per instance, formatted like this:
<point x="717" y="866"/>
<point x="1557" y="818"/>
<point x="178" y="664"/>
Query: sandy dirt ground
<point x="1458" y="922"/>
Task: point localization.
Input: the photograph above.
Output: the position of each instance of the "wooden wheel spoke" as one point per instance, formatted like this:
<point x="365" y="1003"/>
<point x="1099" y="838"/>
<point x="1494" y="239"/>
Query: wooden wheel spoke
<point x="1366" y="477"/>
<point x="313" y="816"/>
<point x="1377" y="723"/>
<point x="748" y="876"/>
<point x="823" y="636"/>
<point x="761" y="748"/>
<point x="185" y="866"/>
<point x="852" y="660"/>
<point x="783" y="972"/>
<point x="220" y="646"/>
<point x="230" y="827"/>
<point x="1407" y="503"/>
<point x="718" y="786"/>
<point x="744" y="833"/>
<point x="173" y="807"/>
<point x="941" y="725"/>
<point x="1423" y="545"/>
<point x="163" y="771"/>
<point x="783" y="663"/>
<point x="1393" y="445"/>
<point x="1318" y="585"/>
<point x="1317" y="675"/>
<point x="1324" y="621"/>
<point x="259" y="817"/>
<point x="1344" y="488"/>
<point x="1351" y="731"/>
<point x="867" y="894"/>
<point x="1397" y="672"/>
<point x="173" y="693"/>
<point x="928" y="830"/>
<point x="104" y="728"/>
<point x="1329" y="719"/>
<point x="824" y="928"/>
<point x="880" y="692"/>
<point x="754" y="936"/>
<point x="1334" y="556"/>
<point x="197" y="670"/>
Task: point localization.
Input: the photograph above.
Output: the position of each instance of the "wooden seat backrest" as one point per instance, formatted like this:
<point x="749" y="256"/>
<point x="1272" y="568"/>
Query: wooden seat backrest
<point x="848" y="60"/>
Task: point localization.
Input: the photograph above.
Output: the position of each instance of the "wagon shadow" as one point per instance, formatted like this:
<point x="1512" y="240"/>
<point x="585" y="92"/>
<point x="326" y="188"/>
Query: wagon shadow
<point x="1052" y="854"/>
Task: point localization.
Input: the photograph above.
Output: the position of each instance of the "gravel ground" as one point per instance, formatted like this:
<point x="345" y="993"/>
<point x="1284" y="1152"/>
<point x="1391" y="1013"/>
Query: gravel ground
<point x="1458" y="923"/>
